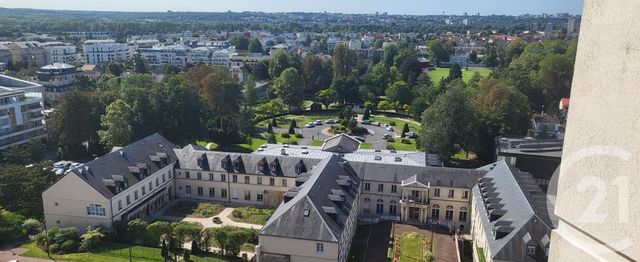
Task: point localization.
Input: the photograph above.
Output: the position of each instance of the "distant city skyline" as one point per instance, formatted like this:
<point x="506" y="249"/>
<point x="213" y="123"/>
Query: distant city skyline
<point x="412" y="7"/>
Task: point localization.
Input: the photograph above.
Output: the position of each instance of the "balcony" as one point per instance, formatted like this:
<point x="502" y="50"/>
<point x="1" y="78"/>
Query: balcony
<point x="414" y="200"/>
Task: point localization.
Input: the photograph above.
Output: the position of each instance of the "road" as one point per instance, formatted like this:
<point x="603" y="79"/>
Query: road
<point x="375" y="136"/>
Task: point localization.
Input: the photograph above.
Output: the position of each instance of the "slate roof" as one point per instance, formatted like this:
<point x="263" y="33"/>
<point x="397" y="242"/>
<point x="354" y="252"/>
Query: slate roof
<point x="341" y="143"/>
<point x="318" y="209"/>
<point x="511" y="202"/>
<point x="117" y="166"/>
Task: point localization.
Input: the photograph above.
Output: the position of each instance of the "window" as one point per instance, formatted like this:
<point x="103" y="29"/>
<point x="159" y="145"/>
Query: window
<point x="211" y="176"/>
<point x="259" y="180"/>
<point x="465" y="195"/>
<point x="150" y="186"/>
<point x="96" y="210"/>
<point x="284" y="182"/>
<point x="199" y="191"/>
<point x="451" y="193"/>
<point x="463" y="216"/>
<point x="119" y="205"/>
<point x="436" y="192"/>
<point x="367" y="186"/>
<point x="164" y="178"/>
<point x="394" y="188"/>
<point x="135" y="195"/>
<point x="259" y="197"/>
<point x="212" y="192"/>
<point x="247" y="195"/>
<point x="223" y="193"/>
<point x="272" y="181"/>
<point x="319" y="247"/>
<point x="169" y="173"/>
<point x="531" y="250"/>
<point x="379" y="209"/>
<point x="392" y="210"/>
<point x="199" y="176"/>
<point x="435" y="213"/>
<point x="234" y="178"/>
<point x="188" y="189"/>
<point x="448" y="215"/>
<point x="380" y="188"/>
<point x="157" y="181"/>
<point x="186" y="174"/>
<point x="128" y="200"/>
<point x="246" y="179"/>
<point x="223" y="177"/>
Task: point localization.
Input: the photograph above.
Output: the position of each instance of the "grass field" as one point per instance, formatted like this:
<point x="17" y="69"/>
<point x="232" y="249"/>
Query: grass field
<point x="359" y="243"/>
<point x="414" y="126"/>
<point x="193" y="209"/>
<point x="411" y="247"/>
<point x="251" y="215"/>
<point x="467" y="74"/>
<point x="107" y="252"/>
<point x="398" y="145"/>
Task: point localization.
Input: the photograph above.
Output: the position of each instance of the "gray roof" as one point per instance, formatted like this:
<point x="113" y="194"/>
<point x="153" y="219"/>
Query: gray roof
<point x="107" y="173"/>
<point x="513" y="212"/>
<point x="318" y="209"/>
<point x="341" y="144"/>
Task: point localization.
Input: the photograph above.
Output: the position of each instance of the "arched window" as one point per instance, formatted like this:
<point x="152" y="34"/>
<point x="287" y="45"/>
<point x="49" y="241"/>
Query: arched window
<point x="463" y="208"/>
<point x="380" y="201"/>
<point x="449" y="207"/>
<point x="367" y="200"/>
<point x="435" y="206"/>
<point x="393" y="202"/>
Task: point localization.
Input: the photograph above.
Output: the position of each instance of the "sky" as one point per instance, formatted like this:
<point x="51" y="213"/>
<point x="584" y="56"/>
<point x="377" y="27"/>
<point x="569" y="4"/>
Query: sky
<point x="414" y="7"/>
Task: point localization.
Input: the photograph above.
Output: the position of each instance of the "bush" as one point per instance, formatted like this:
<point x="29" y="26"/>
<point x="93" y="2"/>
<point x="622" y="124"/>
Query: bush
<point x="294" y="123"/>
<point x="392" y="123"/>
<point x="236" y="213"/>
<point x="90" y="239"/>
<point x="294" y="142"/>
<point x="359" y="131"/>
<point x="269" y="128"/>
<point x="291" y="130"/>
<point x="285" y="135"/>
<point x="271" y="139"/>
<point x="274" y="123"/>
<point x="32" y="226"/>
<point x="391" y="139"/>
<point x="69" y="246"/>
<point x="391" y="147"/>
<point x="299" y="136"/>
<point x="405" y="141"/>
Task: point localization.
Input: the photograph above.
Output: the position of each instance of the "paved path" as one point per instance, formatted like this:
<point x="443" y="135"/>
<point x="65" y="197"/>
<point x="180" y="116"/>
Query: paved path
<point x="14" y="254"/>
<point x="378" y="245"/>
<point x="208" y="222"/>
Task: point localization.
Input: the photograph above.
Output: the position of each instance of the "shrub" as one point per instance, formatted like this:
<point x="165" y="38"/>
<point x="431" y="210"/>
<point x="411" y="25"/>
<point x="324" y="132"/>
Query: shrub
<point x="90" y="239"/>
<point x="405" y="141"/>
<point x="68" y="246"/>
<point x="299" y="136"/>
<point x="392" y="123"/>
<point x="285" y="135"/>
<point x="294" y="123"/>
<point x="391" y="147"/>
<point x="269" y="128"/>
<point x="391" y="139"/>
<point x="291" y="130"/>
<point x="294" y="142"/>
<point x="236" y="213"/>
<point x="274" y="123"/>
<point x="271" y="139"/>
<point x="359" y="131"/>
<point x="32" y="226"/>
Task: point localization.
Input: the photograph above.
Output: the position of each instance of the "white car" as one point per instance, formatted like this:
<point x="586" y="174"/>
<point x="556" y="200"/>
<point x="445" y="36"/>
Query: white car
<point x="317" y="122"/>
<point x="309" y="125"/>
<point x="329" y="121"/>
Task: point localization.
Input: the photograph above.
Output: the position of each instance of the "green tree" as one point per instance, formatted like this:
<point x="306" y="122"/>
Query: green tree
<point x="405" y="129"/>
<point x="449" y="124"/>
<point x="278" y="63"/>
<point x="21" y="187"/>
<point x="289" y="87"/>
<point x="32" y="226"/>
<point x="439" y="51"/>
<point x="24" y="154"/>
<point x="73" y="108"/>
<point x="159" y="230"/>
<point x="399" y="92"/>
<point x="556" y="75"/>
<point x="314" y="74"/>
<point x="389" y="53"/>
<point x="342" y="61"/>
<point x="139" y="65"/>
<point x="291" y="130"/>
<point x="454" y="73"/>
<point x="367" y="114"/>
<point x="255" y="46"/>
<point x="115" y="68"/>
<point x="241" y="42"/>
<point x="346" y="89"/>
<point x="10" y="226"/>
<point x="186" y="231"/>
<point x="327" y="96"/>
<point x="116" y="125"/>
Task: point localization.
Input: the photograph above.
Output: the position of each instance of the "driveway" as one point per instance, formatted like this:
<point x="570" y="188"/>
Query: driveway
<point x="208" y="222"/>
<point x="375" y="136"/>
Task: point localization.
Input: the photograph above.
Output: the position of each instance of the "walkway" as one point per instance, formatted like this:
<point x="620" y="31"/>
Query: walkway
<point x="378" y="242"/>
<point x="208" y="221"/>
<point x="14" y="254"/>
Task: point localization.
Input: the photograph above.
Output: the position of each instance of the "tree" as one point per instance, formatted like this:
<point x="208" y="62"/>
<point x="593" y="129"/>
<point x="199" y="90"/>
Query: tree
<point x="389" y="53"/>
<point x="327" y="96"/>
<point x="405" y="129"/>
<point x="165" y="250"/>
<point x="278" y="63"/>
<point x="84" y="83"/>
<point x="289" y="87"/>
<point x="292" y="130"/>
<point x="367" y="114"/>
<point x="89" y="239"/>
<point x="260" y="70"/>
<point x="556" y="75"/>
<point x="194" y="247"/>
<point x="255" y="46"/>
<point x="159" y="230"/>
<point x="269" y="128"/>
<point x="241" y="42"/>
<point x="449" y="124"/>
<point x="346" y="89"/>
<point x="399" y="92"/>
<point x="32" y="226"/>
<point x="490" y="58"/>
<point x="294" y="123"/>
<point x="454" y="73"/>
<point x="139" y="65"/>
<point x="22" y="187"/>
<point x="342" y="61"/>
<point x="116" y="125"/>
<point x="186" y="230"/>
<point x="115" y="68"/>
<point x="314" y="74"/>
<point x="10" y="226"/>
<point x="410" y="69"/>
<point x="439" y="51"/>
<point x="73" y="108"/>
<point x="24" y="154"/>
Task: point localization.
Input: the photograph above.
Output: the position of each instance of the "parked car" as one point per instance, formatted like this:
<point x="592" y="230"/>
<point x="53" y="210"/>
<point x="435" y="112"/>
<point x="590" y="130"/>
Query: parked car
<point x="386" y="136"/>
<point x="411" y="135"/>
<point x="361" y="139"/>
<point x="390" y="129"/>
<point x="329" y="121"/>
<point x="317" y="122"/>
<point x="366" y="122"/>
<point x="216" y="220"/>
<point x="309" y="125"/>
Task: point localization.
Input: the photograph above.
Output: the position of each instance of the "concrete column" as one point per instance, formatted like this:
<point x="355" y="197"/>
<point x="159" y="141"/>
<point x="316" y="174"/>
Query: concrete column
<point x="597" y="190"/>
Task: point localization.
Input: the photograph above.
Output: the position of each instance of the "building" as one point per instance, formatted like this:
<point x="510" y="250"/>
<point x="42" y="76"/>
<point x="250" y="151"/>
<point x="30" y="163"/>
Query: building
<point x="91" y="71"/>
<point x="572" y="27"/>
<point x="539" y="157"/>
<point x="601" y="147"/>
<point x="27" y="53"/>
<point x="21" y="112"/>
<point x="545" y="126"/>
<point x="3" y="66"/>
<point x="101" y="51"/>
<point x="57" y="80"/>
<point x="510" y="219"/>
<point x="183" y="55"/>
<point x="58" y="52"/>
<point x="129" y="182"/>
<point x="317" y="219"/>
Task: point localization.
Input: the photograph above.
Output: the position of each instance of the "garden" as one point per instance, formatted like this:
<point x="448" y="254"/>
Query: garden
<point x="251" y="215"/>
<point x="411" y="247"/>
<point x="194" y="209"/>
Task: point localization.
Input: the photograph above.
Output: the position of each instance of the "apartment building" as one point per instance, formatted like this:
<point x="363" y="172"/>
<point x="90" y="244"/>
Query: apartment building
<point x="57" y="79"/>
<point x="510" y="218"/>
<point x="129" y="182"/>
<point x="317" y="219"/>
<point x="100" y="51"/>
<point x="23" y="52"/>
<point x="58" y="52"/>
<point x="183" y="55"/>
<point x="21" y="112"/>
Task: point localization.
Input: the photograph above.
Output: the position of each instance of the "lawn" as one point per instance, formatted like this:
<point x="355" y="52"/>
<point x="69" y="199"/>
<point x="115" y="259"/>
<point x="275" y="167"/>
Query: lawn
<point x="317" y="143"/>
<point x="414" y="126"/>
<point x="467" y="74"/>
<point x="251" y="215"/>
<point x="481" y="256"/>
<point x="301" y="120"/>
<point x="359" y="243"/>
<point x="106" y="252"/>
<point x="411" y="247"/>
<point x="398" y="145"/>
<point x="194" y="209"/>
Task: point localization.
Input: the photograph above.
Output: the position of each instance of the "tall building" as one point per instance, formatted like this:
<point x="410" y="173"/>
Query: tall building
<point x="597" y="188"/>
<point x="572" y="26"/>
<point x="548" y="27"/>
<point x="21" y="116"/>
<point x="100" y="51"/>
<point x="58" y="52"/>
<point x="57" y="79"/>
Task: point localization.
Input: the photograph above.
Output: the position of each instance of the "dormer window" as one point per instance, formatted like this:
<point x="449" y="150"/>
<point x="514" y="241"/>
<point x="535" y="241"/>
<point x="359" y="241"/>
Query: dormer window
<point x="531" y="250"/>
